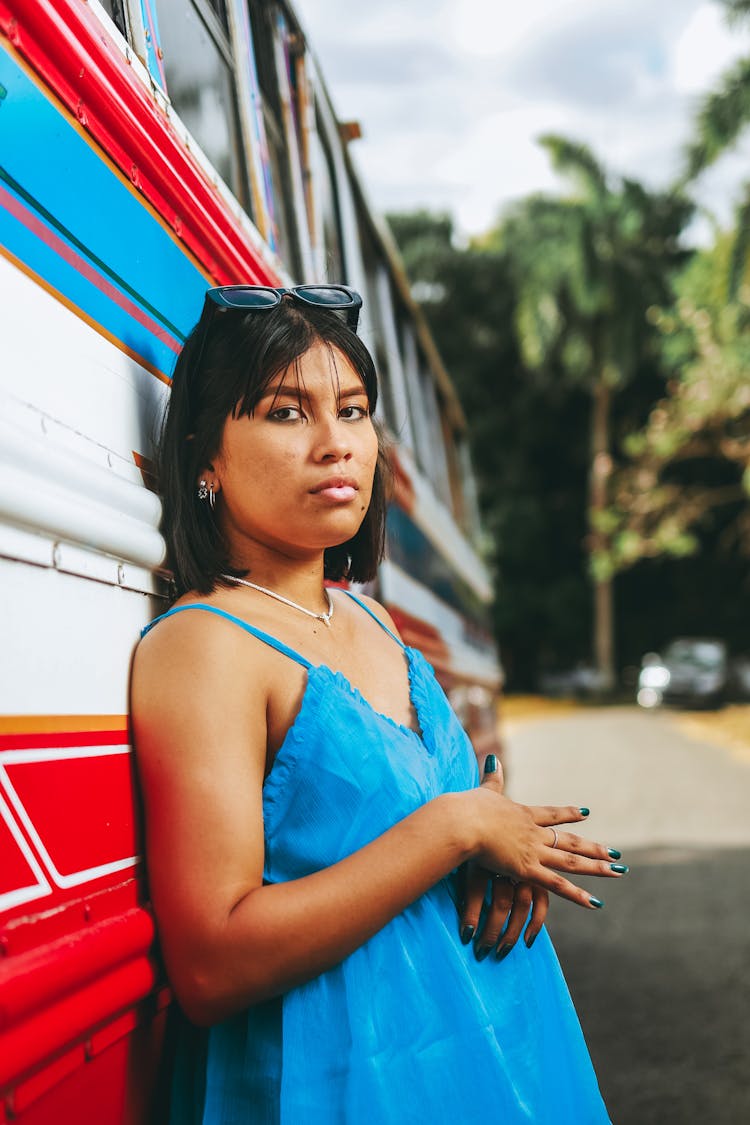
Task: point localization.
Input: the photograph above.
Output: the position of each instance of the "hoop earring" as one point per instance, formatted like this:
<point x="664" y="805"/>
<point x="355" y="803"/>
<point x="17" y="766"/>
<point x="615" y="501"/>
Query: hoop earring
<point x="211" y="496"/>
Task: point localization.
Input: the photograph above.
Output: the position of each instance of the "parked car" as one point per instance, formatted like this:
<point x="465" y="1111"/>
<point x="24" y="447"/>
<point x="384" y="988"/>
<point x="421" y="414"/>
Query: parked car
<point x="693" y="671"/>
<point x="739" y="678"/>
<point x="583" y="680"/>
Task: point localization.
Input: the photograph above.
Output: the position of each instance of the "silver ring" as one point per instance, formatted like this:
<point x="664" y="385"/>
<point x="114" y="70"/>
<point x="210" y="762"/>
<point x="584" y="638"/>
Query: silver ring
<point x="554" y="833"/>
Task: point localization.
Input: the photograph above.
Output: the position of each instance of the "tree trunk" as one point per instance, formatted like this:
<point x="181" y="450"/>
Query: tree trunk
<point x="601" y="467"/>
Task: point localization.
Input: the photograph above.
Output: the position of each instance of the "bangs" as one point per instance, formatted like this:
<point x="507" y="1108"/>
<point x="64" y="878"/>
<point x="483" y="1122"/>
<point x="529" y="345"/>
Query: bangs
<point x="292" y="374"/>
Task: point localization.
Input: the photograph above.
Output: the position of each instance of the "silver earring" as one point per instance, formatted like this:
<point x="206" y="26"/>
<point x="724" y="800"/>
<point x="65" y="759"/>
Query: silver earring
<point x="211" y="496"/>
<point x="202" y="490"/>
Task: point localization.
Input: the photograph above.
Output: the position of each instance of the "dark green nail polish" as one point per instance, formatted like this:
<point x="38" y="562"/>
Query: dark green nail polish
<point x="490" y="764"/>
<point x="467" y="933"/>
<point x="597" y="902"/>
<point x="584" y="811"/>
<point x="530" y="941"/>
<point x="482" y="952"/>
<point x="620" y="868"/>
<point x="503" y="951"/>
<point x="613" y="853"/>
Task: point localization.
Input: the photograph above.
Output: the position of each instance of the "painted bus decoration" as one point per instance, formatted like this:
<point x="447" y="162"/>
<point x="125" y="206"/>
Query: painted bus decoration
<point x="150" y="149"/>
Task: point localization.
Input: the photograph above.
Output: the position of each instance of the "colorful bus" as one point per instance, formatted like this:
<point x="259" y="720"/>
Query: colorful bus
<point x="150" y="149"/>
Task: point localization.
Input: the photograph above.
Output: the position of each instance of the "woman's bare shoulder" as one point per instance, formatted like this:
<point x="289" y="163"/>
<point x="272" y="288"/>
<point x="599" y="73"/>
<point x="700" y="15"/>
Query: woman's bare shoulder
<point x="190" y="660"/>
<point x="180" y="637"/>
<point x="381" y="613"/>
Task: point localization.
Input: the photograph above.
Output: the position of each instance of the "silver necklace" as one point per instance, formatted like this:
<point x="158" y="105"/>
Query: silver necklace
<point x="324" y="617"/>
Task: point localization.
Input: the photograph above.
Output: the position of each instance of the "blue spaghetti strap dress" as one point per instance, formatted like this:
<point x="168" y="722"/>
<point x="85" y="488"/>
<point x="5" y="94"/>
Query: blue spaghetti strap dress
<point x="410" y="1028"/>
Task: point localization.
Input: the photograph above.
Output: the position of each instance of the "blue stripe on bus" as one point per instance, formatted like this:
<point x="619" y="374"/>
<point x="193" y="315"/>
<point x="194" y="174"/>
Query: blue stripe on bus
<point x="81" y="208"/>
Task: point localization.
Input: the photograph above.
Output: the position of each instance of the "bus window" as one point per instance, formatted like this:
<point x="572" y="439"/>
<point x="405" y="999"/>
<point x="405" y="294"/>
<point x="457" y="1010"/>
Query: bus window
<point x="327" y="199"/>
<point x="262" y="19"/>
<point x="434" y="456"/>
<point x="200" y="83"/>
<point x="380" y="314"/>
<point x="115" y="9"/>
<point x="472" y="522"/>
<point x="450" y="444"/>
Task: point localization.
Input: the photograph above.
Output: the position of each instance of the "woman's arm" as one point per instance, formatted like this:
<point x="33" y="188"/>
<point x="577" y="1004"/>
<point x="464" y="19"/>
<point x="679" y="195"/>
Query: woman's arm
<point x="229" y="941"/>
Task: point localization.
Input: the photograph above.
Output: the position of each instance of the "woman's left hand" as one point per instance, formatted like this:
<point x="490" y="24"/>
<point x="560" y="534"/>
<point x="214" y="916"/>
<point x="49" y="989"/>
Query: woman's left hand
<point x="510" y="903"/>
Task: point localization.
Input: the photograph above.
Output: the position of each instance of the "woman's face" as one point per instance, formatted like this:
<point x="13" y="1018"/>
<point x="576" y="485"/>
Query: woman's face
<point x="296" y="476"/>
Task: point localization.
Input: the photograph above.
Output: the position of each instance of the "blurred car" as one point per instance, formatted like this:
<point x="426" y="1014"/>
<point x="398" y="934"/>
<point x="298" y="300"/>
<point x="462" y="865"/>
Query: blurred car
<point x="582" y="680"/>
<point x="739" y="678"/>
<point x="693" y="671"/>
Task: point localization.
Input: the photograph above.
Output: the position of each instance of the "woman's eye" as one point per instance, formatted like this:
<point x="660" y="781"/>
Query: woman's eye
<point x="352" y="412"/>
<point x="286" y="414"/>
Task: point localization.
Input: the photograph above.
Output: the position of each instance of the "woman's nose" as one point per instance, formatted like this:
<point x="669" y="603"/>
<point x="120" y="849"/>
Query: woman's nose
<point x="333" y="440"/>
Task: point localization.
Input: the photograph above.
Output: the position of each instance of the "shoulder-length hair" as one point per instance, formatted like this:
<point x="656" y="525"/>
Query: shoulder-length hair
<point x="224" y="368"/>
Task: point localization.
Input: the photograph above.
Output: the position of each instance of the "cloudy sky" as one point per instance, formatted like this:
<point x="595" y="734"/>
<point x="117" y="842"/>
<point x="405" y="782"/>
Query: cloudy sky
<point x="451" y="94"/>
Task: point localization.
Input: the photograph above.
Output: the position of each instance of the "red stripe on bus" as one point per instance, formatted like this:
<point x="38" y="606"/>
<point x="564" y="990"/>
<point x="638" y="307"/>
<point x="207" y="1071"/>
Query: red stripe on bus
<point x="52" y="739"/>
<point x="66" y="45"/>
<point x="14" y="207"/>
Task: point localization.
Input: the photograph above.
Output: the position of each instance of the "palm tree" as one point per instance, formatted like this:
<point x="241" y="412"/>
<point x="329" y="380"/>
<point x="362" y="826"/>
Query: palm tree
<point x="722" y="118"/>
<point x="588" y="268"/>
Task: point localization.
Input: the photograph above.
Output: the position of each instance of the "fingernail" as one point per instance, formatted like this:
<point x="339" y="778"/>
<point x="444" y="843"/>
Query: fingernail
<point x="613" y="853"/>
<point x="597" y="902"/>
<point x="503" y="951"/>
<point x="467" y="933"/>
<point x="490" y="764"/>
<point x="482" y="952"/>
<point x="620" y="868"/>
<point x="584" y="811"/>
<point x="530" y="940"/>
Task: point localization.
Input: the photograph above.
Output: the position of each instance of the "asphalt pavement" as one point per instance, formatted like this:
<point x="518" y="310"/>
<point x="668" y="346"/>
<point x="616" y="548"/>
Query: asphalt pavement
<point x="661" y="975"/>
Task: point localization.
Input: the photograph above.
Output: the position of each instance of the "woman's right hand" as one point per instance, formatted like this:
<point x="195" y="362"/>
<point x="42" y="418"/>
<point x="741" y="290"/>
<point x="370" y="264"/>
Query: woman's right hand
<point x="523" y="842"/>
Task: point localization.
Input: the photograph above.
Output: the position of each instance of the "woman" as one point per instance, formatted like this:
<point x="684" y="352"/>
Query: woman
<point x="309" y="793"/>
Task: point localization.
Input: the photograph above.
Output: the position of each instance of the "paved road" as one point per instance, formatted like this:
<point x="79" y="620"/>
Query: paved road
<point x="661" y="976"/>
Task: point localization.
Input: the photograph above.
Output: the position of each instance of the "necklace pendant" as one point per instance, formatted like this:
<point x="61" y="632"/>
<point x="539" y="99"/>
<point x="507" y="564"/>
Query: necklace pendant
<point x="326" y="621"/>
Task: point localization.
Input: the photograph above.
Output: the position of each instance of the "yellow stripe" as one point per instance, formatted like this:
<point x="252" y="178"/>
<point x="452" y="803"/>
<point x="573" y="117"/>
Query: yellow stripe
<point x="39" y="280"/>
<point x="60" y="724"/>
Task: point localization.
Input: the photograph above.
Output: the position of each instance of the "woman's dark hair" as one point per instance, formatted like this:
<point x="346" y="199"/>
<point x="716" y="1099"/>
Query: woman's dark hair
<point x="226" y="364"/>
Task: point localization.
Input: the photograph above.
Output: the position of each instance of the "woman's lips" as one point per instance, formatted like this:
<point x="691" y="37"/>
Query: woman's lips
<point x="338" y="491"/>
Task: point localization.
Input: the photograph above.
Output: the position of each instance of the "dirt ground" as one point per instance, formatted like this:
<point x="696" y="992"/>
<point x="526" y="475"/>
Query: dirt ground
<point x="727" y="728"/>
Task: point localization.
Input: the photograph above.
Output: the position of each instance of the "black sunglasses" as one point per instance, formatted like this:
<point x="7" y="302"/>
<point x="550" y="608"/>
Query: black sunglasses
<point x="256" y="298"/>
<point x="259" y="298"/>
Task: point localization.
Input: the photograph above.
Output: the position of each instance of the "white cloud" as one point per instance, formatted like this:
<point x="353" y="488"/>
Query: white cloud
<point x="452" y="94"/>
<point x="705" y="48"/>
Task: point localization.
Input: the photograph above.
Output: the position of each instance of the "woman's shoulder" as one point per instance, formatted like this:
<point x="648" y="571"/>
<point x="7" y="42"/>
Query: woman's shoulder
<point x="194" y="668"/>
<point x="177" y="645"/>
<point x="171" y="623"/>
<point x="380" y="612"/>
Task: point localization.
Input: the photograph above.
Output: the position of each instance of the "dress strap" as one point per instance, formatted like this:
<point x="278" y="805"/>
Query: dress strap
<point x="261" y="636"/>
<point x="375" y="617"/>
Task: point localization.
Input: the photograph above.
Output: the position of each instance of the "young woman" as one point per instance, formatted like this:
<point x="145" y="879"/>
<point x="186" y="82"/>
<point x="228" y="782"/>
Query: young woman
<point x="310" y="796"/>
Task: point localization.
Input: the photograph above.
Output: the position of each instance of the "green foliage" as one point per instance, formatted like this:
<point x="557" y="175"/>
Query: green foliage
<point x="722" y="118"/>
<point x="564" y="295"/>
<point x="737" y="10"/>
<point x="723" y="115"/>
<point x="693" y="454"/>
<point x="528" y="440"/>
<point x="588" y="267"/>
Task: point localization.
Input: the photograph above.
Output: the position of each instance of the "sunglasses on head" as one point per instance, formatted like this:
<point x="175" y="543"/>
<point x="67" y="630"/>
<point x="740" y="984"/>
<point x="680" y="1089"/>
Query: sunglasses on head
<point x="257" y="298"/>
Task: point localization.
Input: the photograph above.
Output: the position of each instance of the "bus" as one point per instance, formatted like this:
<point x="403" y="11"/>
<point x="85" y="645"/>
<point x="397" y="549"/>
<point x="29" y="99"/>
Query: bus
<point x="150" y="149"/>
